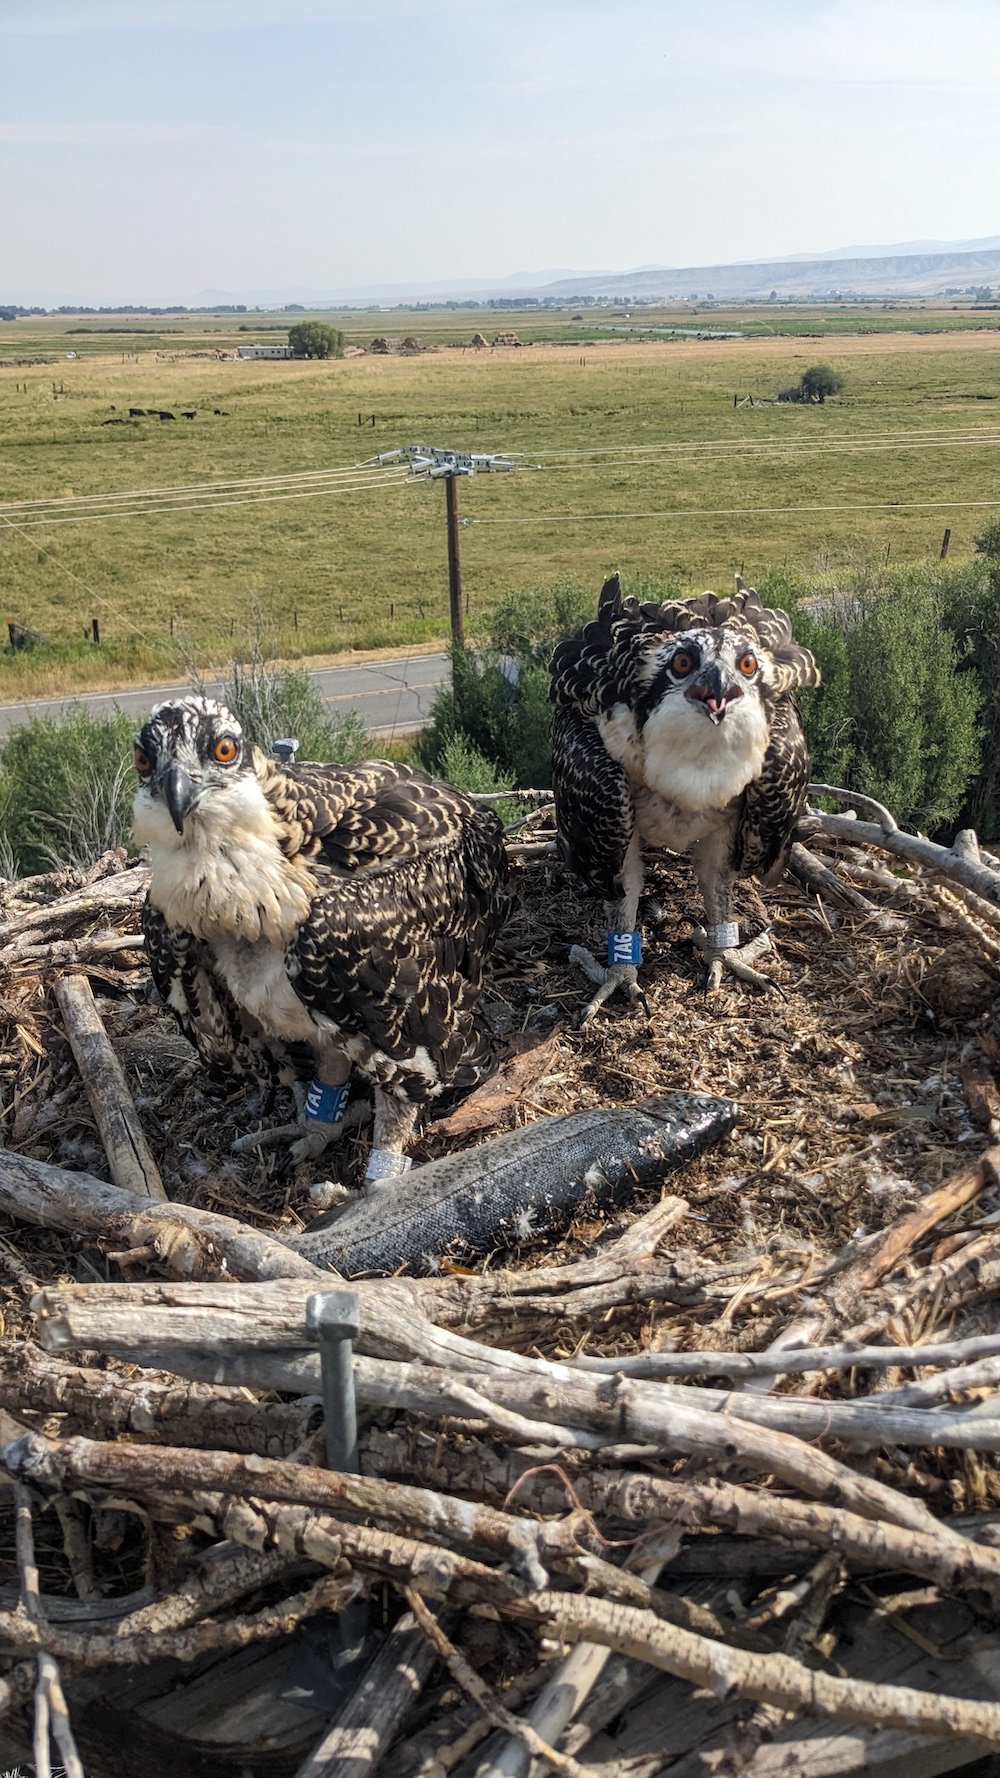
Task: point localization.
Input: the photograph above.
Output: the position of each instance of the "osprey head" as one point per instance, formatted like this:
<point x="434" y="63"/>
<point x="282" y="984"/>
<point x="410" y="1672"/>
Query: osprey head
<point x="187" y="755"/>
<point x="712" y="669"/>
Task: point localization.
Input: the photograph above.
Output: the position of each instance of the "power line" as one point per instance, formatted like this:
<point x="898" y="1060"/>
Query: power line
<point x="383" y="479"/>
<point x="98" y="597"/>
<point x="734" y="447"/>
<point x="777" y="453"/>
<point x="369" y="464"/>
<point x="719" y="512"/>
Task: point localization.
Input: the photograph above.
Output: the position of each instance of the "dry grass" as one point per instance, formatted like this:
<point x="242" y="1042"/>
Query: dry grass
<point x="367" y="569"/>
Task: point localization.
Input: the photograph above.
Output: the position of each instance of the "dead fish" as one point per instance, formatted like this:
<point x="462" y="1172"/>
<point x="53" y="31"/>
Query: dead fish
<point x="531" y="1183"/>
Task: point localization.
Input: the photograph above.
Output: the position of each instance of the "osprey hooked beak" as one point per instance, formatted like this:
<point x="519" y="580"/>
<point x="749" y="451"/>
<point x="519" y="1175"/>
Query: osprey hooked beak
<point x="180" y="793"/>
<point x="714" y="690"/>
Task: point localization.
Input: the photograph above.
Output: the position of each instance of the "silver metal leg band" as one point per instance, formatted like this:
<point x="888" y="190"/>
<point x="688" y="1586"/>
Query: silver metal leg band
<point x="725" y="937"/>
<point x="383" y="1164"/>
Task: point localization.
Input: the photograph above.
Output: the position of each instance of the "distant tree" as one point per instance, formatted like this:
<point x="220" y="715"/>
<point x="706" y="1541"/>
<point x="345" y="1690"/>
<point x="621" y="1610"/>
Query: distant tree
<point x="819" y="381"/>
<point x="8" y="314"/>
<point x="311" y="339"/>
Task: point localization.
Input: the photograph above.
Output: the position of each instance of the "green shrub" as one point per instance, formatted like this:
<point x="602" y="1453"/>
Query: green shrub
<point x="66" y="789"/>
<point x="972" y="613"/>
<point x="897" y="716"/>
<point x="273" y="702"/>
<point x="499" y="695"/>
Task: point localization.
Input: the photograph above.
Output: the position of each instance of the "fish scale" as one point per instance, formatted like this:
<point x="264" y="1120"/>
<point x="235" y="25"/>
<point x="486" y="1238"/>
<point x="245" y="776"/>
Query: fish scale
<point x="519" y="1187"/>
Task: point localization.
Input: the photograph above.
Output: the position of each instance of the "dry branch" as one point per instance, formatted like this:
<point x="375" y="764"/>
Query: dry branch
<point x="125" y="1318"/>
<point x="485" y="1697"/>
<point x="633" y="1497"/>
<point x="955" y="861"/>
<point x="725" y="1670"/>
<point x="127" y="889"/>
<point x="129" y="1158"/>
<point x="355" y="1743"/>
<point x="192" y="1243"/>
<point x="151" y="1407"/>
<point x="129" y="1648"/>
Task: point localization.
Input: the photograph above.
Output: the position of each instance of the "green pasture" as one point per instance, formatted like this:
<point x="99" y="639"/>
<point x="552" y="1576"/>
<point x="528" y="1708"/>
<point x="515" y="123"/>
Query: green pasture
<point x="632" y="455"/>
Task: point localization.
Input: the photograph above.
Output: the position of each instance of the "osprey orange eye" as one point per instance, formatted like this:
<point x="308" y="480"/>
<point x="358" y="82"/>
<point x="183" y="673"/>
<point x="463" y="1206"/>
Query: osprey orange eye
<point x="682" y="663"/>
<point x="226" y="750"/>
<point x="747" y="663"/>
<point x="143" y="763"/>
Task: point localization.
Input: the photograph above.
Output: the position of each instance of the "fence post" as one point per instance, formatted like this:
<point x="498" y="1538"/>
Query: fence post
<point x="946" y="539"/>
<point x="95" y="630"/>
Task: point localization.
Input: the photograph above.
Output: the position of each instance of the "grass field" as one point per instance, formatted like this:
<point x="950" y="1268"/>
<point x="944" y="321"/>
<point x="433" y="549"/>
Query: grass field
<point x="633" y="456"/>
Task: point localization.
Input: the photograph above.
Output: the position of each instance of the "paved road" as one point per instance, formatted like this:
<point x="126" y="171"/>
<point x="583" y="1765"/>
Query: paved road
<point x="390" y="695"/>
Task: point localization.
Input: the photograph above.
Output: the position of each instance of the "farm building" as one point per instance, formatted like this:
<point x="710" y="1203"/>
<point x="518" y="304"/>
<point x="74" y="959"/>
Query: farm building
<point x="268" y="351"/>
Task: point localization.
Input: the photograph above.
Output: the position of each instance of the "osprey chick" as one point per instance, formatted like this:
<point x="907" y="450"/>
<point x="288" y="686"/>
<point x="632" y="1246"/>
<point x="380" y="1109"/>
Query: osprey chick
<point x="676" y="727"/>
<point x="304" y="920"/>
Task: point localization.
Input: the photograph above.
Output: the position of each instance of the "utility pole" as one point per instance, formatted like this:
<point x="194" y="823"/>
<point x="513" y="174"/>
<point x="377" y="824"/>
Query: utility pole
<point x="433" y="464"/>
<point x="454" y="566"/>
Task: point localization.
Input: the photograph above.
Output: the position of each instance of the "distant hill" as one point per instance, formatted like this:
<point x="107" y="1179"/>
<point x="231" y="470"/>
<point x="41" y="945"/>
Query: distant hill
<point x="898" y="274"/>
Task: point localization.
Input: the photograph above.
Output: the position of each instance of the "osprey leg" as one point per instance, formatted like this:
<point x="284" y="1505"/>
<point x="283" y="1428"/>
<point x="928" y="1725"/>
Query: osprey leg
<point x="719" y="939"/>
<point x="395" y="1119"/>
<point x="324" y="1107"/>
<point x="623" y="956"/>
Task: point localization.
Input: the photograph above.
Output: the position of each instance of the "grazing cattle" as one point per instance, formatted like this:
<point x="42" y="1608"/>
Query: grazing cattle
<point x="188" y="413"/>
<point x="165" y="414"/>
<point x="137" y="413"/>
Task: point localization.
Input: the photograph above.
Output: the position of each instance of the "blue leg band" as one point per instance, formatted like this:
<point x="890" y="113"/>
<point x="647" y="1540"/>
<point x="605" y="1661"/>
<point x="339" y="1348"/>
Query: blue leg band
<point x="325" y="1104"/>
<point x="624" y="947"/>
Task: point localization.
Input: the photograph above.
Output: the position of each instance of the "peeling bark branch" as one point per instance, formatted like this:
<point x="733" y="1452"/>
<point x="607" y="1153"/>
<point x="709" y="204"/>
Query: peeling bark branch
<point x="151" y="1407"/>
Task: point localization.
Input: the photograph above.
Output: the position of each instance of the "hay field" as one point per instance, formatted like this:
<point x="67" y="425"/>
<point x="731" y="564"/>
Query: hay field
<point x="634" y="457"/>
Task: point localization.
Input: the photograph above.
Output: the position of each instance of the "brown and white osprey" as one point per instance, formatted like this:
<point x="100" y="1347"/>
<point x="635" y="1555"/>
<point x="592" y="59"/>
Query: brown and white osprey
<point x="306" y="920"/>
<point x="676" y="726"/>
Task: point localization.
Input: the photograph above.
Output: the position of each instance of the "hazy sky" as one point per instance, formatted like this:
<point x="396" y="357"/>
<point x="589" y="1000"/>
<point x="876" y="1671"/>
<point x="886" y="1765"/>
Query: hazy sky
<point x="150" y="149"/>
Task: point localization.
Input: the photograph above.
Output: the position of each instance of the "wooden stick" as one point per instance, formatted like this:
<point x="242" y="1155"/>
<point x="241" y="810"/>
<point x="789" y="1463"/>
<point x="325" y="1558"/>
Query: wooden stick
<point x="190" y="1243"/>
<point x="792" y="1361"/>
<point x="942" y="860"/>
<point x="129" y="1156"/>
<point x="485" y="1697"/>
<point x="64" y="951"/>
<point x="126" y="889"/>
<point x="92" y="1648"/>
<point x="636" y="1412"/>
<point x="50" y="1703"/>
<point x="535" y="1398"/>
<point x="851" y="1282"/>
<point x="358" y="1738"/>
<point x="154" y="1408"/>
<point x="907" y="1230"/>
<point x="637" y="1498"/>
<point x="725" y="1670"/>
<point x="564" y="1693"/>
<point x="817" y="876"/>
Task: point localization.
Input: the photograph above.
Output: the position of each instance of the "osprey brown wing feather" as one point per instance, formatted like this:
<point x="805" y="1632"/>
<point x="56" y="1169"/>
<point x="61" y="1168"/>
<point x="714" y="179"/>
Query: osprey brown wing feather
<point x="412" y="889"/>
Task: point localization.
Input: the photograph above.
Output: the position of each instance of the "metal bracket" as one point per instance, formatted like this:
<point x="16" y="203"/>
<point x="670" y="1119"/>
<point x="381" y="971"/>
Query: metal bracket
<point x="333" y="1321"/>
